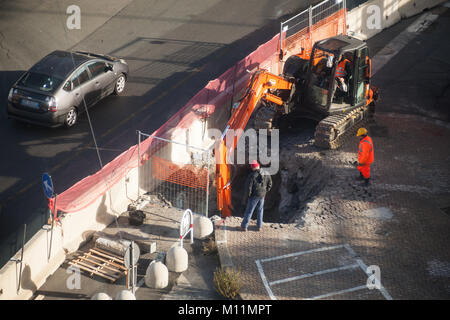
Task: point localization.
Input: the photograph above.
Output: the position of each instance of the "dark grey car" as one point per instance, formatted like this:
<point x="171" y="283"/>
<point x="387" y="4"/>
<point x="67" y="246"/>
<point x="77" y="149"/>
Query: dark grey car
<point x="56" y="89"/>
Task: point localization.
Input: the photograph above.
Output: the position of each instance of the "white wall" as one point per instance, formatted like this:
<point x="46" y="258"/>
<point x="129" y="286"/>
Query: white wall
<point x="373" y="16"/>
<point x="75" y="229"/>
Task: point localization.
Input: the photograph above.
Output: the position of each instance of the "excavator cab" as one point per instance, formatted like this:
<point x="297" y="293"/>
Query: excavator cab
<point x="338" y="76"/>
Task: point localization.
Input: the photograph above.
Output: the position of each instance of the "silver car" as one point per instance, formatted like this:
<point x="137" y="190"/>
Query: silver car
<point x="57" y="89"/>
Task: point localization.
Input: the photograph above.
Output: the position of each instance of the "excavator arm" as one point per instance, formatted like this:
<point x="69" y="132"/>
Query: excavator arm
<point x="261" y="85"/>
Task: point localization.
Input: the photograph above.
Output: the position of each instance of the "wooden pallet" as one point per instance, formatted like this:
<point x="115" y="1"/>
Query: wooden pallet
<point x="101" y="263"/>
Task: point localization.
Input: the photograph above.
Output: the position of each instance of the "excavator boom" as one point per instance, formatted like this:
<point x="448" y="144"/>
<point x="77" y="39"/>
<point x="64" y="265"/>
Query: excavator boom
<point x="257" y="88"/>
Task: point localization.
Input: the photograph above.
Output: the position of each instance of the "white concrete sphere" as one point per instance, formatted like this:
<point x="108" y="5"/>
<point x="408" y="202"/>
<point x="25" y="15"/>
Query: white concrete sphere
<point x="125" y="295"/>
<point x="101" y="296"/>
<point x="203" y="227"/>
<point x="157" y="275"/>
<point x="177" y="259"/>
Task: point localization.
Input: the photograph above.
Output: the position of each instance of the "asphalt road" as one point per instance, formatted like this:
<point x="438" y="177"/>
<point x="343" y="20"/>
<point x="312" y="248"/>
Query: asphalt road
<point x="173" y="49"/>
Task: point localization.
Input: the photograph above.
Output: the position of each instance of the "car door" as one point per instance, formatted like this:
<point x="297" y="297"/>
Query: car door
<point x="101" y="78"/>
<point x="82" y="88"/>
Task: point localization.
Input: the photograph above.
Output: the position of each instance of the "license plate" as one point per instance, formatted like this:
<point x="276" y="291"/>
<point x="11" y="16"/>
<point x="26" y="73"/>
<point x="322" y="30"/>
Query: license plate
<point x="30" y="104"/>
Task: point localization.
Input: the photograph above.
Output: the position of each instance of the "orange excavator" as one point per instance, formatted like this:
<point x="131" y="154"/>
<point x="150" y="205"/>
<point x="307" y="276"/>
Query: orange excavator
<point x="318" y="86"/>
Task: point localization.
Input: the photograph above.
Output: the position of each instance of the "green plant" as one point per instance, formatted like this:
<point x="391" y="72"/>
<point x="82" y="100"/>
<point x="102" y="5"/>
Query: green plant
<point x="227" y="282"/>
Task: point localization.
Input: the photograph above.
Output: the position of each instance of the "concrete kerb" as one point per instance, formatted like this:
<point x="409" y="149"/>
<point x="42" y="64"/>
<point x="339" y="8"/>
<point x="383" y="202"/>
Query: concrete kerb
<point x="220" y="230"/>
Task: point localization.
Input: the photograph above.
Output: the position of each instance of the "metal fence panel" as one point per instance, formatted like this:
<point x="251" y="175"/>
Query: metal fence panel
<point x="297" y="31"/>
<point x="325" y="9"/>
<point x="177" y="173"/>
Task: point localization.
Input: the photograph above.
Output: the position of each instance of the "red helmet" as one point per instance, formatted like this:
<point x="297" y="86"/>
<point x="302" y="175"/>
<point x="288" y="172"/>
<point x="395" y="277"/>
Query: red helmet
<point x="255" y="164"/>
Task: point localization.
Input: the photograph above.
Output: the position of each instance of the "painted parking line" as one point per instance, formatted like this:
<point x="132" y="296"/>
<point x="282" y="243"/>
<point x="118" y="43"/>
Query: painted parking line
<point x="358" y="264"/>
<point x="327" y="295"/>
<point x="363" y="266"/>
<point x="312" y="274"/>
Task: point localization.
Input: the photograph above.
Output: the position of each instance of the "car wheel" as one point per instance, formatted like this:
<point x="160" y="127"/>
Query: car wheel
<point x="120" y="84"/>
<point x="71" y="118"/>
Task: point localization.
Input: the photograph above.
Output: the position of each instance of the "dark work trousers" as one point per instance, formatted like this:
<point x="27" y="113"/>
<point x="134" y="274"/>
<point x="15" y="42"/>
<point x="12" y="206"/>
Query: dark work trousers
<point x="254" y="202"/>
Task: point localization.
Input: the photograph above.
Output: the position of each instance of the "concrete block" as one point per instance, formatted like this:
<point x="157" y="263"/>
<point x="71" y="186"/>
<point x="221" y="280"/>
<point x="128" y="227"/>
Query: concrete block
<point x="115" y="246"/>
<point x="409" y="8"/>
<point x="125" y="295"/>
<point x="372" y="17"/>
<point x="101" y="296"/>
<point x="157" y="275"/>
<point x="203" y="227"/>
<point x="177" y="259"/>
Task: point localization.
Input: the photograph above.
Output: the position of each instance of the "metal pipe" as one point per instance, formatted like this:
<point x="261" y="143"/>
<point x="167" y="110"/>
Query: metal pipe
<point x="207" y="186"/>
<point x="21" y="257"/>
<point x="51" y="233"/>
<point x="139" y="164"/>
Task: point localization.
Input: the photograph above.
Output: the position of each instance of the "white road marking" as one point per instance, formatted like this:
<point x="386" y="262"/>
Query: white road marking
<point x="301" y="253"/>
<point x="359" y="263"/>
<point x="312" y="274"/>
<point x="401" y="40"/>
<point x="327" y="295"/>
<point x="264" y="280"/>
<point x="363" y="266"/>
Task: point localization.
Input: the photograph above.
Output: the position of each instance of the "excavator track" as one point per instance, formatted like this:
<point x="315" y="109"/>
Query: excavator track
<point x="335" y="130"/>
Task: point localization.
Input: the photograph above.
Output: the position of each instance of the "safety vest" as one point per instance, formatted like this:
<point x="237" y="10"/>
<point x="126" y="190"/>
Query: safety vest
<point x="340" y="71"/>
<point x="366" y="154"/>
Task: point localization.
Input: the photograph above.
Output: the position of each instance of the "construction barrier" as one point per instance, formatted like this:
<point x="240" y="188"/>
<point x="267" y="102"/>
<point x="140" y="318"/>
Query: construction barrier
<point x="371" y="17"/>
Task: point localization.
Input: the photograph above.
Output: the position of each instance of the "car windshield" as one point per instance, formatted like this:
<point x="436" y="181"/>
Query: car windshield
<point x="40" y="81"/>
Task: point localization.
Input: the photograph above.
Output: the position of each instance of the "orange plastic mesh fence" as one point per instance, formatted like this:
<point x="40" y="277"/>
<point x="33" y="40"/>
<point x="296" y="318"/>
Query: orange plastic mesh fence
<point x="187" y="175"/>
<point x="305" y="38"/>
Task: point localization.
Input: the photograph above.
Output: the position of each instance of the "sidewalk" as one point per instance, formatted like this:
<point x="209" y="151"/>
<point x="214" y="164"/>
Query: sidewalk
<point x="161" y="225"/>
<point x="399" y="224"/>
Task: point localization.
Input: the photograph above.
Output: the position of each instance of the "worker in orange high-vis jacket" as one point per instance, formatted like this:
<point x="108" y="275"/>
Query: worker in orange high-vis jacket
<point x="342" y="73"/>
<point x="365" y="154"/>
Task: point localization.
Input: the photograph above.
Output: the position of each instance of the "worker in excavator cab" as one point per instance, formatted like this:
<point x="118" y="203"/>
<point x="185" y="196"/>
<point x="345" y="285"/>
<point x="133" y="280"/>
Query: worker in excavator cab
<point x="343" y="72"/>
<point x="365" y="155"/>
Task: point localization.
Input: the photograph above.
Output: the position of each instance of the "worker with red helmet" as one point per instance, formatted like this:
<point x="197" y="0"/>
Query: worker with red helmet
<point x="258" y="184"/>
<point x="365" y="154"/>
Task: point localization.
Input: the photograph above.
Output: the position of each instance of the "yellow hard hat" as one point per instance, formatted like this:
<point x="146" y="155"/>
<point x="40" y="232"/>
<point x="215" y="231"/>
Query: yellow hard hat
<point x="361" y="132"/>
